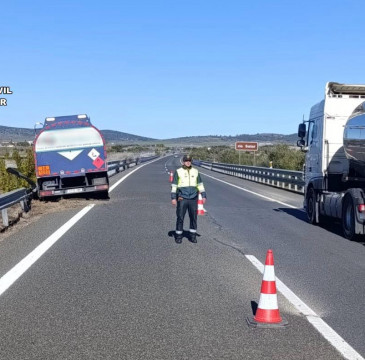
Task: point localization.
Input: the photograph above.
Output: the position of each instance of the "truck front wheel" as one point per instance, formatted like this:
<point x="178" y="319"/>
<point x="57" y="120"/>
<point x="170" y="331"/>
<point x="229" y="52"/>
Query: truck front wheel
<point x="348" y="218"/>
<point x="312" y="207"/>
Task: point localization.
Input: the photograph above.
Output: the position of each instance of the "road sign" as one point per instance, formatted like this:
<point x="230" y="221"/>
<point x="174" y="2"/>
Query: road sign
<point x="246" y="146"/>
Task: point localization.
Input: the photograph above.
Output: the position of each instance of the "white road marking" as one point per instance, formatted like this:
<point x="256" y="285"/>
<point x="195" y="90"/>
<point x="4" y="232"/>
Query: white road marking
<point x="336" y="340"/>
<point x="19" y="269"/>
<point x="321" y="326"/>
<point x="251" y="192"/>
<point x="124" y="177"/>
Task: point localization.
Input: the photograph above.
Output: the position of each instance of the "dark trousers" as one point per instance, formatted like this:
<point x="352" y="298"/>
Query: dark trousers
<point x="186" y="205"/>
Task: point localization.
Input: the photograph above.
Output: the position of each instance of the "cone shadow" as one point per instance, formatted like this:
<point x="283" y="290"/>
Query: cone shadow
<point x="254" y="307"/>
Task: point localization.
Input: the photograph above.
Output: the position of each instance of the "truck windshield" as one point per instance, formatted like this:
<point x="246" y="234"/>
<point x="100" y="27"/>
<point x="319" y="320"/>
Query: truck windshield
<point x="68" y="139"/>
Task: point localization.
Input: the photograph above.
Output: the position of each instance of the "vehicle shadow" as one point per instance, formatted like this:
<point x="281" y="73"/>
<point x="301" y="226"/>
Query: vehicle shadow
<point x="330" y="224"/>
<point x="297" y="213"/>
<point x="82" y="196"/>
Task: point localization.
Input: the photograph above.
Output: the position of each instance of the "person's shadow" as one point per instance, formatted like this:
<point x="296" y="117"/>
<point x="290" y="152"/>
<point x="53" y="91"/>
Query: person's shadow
<point x="185" y="234"/>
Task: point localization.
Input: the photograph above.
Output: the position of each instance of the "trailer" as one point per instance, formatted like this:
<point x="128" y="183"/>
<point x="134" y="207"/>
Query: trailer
<point x="70" y="157"/>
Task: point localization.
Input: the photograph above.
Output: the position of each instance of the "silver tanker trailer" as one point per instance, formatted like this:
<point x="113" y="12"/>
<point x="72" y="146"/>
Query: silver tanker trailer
<point x="334" y="141"/>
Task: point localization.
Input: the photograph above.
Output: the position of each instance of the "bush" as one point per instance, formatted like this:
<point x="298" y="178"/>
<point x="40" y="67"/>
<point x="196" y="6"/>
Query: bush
<point x="285" y="158"/>
<point x="25" y="165"/>
<point x="282" y="156"/>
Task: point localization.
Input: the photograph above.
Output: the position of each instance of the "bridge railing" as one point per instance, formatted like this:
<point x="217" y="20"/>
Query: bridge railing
<point x="284" y="179"/>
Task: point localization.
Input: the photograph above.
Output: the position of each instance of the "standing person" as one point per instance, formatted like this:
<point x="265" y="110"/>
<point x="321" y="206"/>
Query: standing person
<point x="185" y="189"/>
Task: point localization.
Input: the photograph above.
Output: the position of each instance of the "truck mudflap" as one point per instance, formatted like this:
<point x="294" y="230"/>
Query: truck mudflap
<point x="353" y="213"/>
<point x="75" y="190"/>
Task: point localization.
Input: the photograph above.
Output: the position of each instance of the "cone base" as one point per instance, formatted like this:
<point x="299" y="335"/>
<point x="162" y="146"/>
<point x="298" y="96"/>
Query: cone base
<point x="253" y="323"/>
<point x="267" y="316"/>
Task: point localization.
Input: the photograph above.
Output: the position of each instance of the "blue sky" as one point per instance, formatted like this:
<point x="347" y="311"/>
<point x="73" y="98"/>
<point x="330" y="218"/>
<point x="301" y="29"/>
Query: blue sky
<point x="167" y="69"/>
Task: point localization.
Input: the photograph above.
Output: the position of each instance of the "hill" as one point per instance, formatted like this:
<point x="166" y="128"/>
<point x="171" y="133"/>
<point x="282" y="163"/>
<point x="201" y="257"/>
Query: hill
<point x="14" y="134"/>
<point x="118" y="136"/>
<point x="8" y="133"/>
<point x="264" y="138"/>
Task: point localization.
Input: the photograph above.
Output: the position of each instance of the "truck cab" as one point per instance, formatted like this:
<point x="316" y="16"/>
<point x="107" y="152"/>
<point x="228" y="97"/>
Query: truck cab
<point x="328" y="173"/>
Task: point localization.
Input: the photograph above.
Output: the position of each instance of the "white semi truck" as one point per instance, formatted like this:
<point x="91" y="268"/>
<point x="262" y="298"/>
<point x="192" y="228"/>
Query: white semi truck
<point x="334" y="171"/>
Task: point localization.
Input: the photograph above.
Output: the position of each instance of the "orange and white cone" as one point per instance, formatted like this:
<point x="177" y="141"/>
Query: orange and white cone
<point x="268" y="314"/>
<point x="201" y="209"/>
<point x="171" y="176"/>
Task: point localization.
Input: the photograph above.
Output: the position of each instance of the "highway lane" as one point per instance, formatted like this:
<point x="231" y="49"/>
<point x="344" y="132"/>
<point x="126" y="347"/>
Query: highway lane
<point x="14" y="246"/>
<point x="117" y="286"/>
<point x="324" y="269"/>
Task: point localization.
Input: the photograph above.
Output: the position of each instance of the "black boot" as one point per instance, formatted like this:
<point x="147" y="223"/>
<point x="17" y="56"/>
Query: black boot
<point x="193" y="238"/>
<point x="178" y="238"/>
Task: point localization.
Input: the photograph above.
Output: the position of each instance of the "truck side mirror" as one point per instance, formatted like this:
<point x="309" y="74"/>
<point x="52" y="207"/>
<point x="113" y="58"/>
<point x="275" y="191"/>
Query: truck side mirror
<point x="302" y="130"/>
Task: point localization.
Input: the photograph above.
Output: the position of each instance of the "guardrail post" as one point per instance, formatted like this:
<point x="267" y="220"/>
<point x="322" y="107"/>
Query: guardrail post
<point x="25" y="206"/>
<point x="4" y="214"/>
<point x="296" y="185"/>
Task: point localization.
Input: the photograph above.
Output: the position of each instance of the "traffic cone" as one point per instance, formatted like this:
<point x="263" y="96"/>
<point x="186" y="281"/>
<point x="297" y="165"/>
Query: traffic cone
<point x="201" y="210"/>
<point x="171" y="176"/>
<point x="268" y="314"/>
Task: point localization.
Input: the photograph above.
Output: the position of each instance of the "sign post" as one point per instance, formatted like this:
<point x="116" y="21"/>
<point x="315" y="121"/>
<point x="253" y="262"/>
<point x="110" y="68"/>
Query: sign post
<point x="247" y="146"/>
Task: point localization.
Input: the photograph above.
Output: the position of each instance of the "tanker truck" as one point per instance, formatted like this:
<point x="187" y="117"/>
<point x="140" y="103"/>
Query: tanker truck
<point x="70" y="157"/>
<point x="334" y="171"/>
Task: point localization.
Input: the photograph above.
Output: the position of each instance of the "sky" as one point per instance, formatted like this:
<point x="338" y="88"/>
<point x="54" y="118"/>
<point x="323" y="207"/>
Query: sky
<point x="165" y="69"/>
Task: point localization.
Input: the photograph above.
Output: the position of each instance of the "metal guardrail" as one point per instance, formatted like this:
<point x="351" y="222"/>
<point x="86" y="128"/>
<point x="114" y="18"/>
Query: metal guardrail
<point x="114" y="167"/>
<point x="285" y="179"/>
<point x="24" y="196"/>
<point x="148" y="158"/>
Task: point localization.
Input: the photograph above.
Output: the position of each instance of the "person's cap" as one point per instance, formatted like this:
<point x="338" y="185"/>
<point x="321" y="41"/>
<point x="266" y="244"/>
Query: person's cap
<point x="187" y="158"/>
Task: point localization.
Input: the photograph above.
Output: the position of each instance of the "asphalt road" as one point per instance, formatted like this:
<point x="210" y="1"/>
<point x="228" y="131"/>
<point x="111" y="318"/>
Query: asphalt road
<point x="117" y="286"/>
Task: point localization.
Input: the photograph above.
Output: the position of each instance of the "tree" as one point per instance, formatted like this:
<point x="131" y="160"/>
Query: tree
<point x="282" y="156"/>
<point x="285" y="158"/>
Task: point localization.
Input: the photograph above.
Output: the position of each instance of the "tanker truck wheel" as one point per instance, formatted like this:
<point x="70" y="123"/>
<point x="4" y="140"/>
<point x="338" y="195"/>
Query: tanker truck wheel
<point x="348" y="218"/>
<point x="312" y="207"/>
